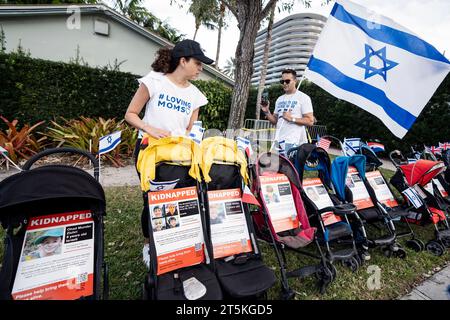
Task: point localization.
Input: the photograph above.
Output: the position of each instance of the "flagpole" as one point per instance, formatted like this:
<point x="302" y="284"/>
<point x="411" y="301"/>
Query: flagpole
<point x="99" y="166"/>
<point x="12" y="162"/>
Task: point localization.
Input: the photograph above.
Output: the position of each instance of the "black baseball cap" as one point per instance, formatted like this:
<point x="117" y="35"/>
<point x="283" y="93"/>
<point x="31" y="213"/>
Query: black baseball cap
<point x="190" y="48"/>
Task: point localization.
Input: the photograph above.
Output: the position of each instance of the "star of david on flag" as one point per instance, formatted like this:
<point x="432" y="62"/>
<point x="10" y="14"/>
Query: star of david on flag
<point x="371" y="70"/>
<point x="109" y="142"/>
<point x="378" y="65"/>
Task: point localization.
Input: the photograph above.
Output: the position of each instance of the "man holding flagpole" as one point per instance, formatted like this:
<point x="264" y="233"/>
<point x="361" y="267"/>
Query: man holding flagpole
<point x="293" y="111"/>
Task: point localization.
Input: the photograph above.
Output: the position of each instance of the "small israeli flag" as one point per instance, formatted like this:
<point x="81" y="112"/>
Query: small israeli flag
<point x="197" y="132"/>
<point x="413" y="197"/>
<point x="109" y="142"/>
<point x="351" y="146"/>
<point x="245" y="145"/>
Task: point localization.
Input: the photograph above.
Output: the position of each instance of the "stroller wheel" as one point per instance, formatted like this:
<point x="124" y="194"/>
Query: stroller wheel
<point x="416" y="245"/>
<point x="351" y="263"/>
<point x="326" y="273"/>
<point x="287" y="294"/>
<point x="400" y="253"/>
<point x="435" y="248"/>
<point x="388" y="252"/>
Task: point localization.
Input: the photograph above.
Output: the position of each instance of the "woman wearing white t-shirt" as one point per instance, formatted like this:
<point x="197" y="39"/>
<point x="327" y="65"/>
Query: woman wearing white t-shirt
<point x="171" y="102"/>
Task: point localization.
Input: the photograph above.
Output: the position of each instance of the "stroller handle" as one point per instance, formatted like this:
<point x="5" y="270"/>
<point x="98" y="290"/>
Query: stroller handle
<point x="391" y="156"/>
<point x="36" y="157"/>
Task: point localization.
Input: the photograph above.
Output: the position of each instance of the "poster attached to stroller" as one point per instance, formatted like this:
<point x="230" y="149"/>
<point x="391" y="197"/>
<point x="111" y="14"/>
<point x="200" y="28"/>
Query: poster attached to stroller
<point x="277" y="193"/>
<point x="229" y="230"/>
<point x="57" y="258"/>
<point x="361" y="197"/>
<point x="177" y="228"/>
<point x="429" y="187"/>
<point x="317" y="193"/>
<point x="382" y="191"/>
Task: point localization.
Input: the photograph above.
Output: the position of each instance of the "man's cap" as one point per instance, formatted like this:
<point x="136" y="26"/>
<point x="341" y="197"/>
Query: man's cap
<point x="58" y="232"/>
<point x="190" y="48"/>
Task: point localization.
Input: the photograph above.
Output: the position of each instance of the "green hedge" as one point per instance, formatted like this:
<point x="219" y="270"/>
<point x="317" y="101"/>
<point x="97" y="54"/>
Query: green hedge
<point x="344" y="119"/>
<point x="33" y="90"/>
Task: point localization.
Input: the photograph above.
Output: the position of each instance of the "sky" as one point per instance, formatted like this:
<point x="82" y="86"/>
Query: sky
<point x="429" y="19"/>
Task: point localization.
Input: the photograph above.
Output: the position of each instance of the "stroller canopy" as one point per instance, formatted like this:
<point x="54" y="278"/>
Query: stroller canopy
<point x="339" y="169"/>
<point x="49" y="182"/>
<point x="422" y="171"/>
<point x="313" y="158"/>
<point x="178" y="150"/>
<point x="221" y="150"/>
<point x="371" y="157"/>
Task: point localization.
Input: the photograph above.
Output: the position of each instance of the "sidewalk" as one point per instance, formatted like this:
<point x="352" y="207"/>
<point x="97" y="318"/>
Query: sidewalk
<point x="109" y="176"/>
<point x="437" y="287"/>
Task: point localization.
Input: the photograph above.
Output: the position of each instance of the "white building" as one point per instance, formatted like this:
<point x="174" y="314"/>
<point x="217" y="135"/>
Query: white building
<point x="293" y="40"/>
<point x="95" y="33"/>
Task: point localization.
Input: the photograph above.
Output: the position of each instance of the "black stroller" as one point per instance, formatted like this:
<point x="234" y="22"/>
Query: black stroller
<point x="329" y="215"/>
<point x="239" y="265"/>
<point x="181" y="265"/>
<point x="351" y="184"/>
<point x="53" y="216"/>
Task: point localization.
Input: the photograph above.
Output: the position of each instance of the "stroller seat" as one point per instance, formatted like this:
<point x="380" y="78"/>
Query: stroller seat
<point x="242" y="280"/>
<point x="238" y="263"/>
<point x="370" y="214"/>
<point x="336" y="230"/>
<point x="170" y="285"/>
<point x="297" y="238"/>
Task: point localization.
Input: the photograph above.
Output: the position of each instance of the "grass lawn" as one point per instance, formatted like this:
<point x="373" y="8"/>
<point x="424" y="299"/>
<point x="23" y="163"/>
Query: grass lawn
<point x="124" y="241"/>
<point x="124" y="250"/>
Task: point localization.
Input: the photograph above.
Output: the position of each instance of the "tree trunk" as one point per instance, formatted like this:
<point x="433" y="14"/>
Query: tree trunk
<point x="219" y="37"/>
<point x="195" y="33"/>
<point x="248" y="16"/>
<point x="262" y="78"/>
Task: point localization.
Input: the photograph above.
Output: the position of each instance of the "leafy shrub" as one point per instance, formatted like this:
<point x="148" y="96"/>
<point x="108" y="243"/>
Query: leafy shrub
<point x="20" y="144"/>
<point x="84" y="133"/>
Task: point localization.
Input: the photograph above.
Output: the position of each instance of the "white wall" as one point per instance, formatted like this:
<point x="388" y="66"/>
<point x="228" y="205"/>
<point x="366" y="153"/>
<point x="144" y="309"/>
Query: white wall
<point x="48" y="37"/>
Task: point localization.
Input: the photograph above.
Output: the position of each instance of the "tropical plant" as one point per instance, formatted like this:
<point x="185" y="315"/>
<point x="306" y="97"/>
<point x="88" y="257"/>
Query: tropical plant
<point x="230" y="67"/>
<point x="84" y="133"/>
<point x="206" y="13"/>
<point x="20" y="144"/>
<point x="135" y="11"/>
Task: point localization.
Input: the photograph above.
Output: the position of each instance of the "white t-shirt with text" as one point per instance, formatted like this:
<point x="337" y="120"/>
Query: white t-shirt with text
<point x="170" y="107"/>
<point x="298" y="104"/>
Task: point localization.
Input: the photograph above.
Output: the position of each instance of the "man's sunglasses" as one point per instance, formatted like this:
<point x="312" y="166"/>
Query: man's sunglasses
<point x="285" y="81"/>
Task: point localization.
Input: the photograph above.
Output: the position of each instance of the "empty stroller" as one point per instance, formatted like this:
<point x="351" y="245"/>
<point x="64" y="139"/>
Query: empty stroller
<point x="238" y="263"/>
<point x="349" y="179"/>
<point x="282" y="221"/>
<point x="53" y="216"/>
<point x="325" y="211"/>
<point x="410" y="179"/>
<point x="180" y="264"/>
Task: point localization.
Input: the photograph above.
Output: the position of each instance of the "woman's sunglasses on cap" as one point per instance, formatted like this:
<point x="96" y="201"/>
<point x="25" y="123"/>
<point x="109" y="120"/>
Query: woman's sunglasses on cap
<point x="285" y="81"/>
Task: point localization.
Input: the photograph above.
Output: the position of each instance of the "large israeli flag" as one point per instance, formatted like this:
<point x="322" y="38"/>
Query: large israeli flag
<point x="376" y="64"/>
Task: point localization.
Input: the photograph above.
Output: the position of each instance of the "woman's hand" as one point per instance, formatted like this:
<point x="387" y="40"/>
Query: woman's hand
<point x="155" y="132"/>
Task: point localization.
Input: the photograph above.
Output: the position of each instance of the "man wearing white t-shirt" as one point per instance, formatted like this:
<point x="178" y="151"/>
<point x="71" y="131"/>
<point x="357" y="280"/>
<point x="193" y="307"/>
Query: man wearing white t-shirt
<point x="293" y="111"/>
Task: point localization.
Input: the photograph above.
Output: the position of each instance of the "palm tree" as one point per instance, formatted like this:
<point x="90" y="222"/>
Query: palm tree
<point x="219" y="36"/>
<point x="205" y="12"/>
<point x="134" y="10"/>
<point x="262" y="78"/>
<point x="230" y="67"/>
